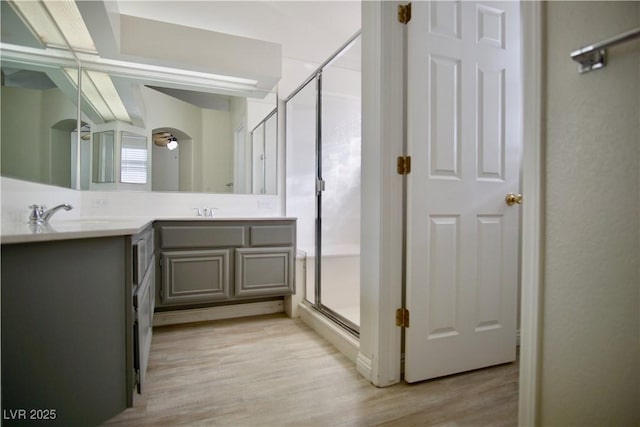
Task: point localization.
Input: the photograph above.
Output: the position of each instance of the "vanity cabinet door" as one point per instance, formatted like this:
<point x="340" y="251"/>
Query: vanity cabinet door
<point x="264" y="271"/>
<point x="195" y="276"/>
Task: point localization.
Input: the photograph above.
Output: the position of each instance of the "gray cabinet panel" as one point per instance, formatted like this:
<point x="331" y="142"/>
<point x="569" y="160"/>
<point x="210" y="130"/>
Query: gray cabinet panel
<point x="141" y="272"/>
<point x="272" y="235"/>
<point x="143" y="301"/>
<point x="195" y="276"/>
<point x="64" y="329"/>
<point x="201" y="236"/>
<point x="264" y="271"/>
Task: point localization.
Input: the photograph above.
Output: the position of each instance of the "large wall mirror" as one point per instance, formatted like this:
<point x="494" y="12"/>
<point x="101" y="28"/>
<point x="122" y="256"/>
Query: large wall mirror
<point x="215" y="143"/>
<point x="131" y="132"/>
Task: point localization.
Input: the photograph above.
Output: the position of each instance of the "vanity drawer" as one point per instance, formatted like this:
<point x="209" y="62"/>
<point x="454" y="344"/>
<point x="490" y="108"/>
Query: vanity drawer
<point x="272" y="235"/>
<point x="201" y="236"/>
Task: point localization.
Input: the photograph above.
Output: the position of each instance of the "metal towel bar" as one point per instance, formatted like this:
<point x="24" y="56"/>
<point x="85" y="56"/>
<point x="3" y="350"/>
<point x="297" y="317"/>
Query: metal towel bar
<point x="594" y="56"/>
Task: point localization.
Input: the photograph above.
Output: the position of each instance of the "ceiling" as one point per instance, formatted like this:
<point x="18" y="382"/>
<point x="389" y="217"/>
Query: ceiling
<point x="307" y="30"/>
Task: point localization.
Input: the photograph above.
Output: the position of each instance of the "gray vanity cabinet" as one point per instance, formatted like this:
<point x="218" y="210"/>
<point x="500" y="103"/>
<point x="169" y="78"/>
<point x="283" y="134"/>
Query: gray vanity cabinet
<point x="76" y="327"/>
<point x="219" y="261"/>
<point x="66" y="355"/>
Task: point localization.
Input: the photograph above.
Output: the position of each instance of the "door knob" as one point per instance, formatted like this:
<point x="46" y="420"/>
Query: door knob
<point x="512" y="199"/>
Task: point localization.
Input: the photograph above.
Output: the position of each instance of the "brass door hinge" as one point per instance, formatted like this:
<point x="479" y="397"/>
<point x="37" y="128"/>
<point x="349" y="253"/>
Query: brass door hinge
<point x="402" y="317"/>
<point x="404" y="13"/>
<point x="404" y="165"/>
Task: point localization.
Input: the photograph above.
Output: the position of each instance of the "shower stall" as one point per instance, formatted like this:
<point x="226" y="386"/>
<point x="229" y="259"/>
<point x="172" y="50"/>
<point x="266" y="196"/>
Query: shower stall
<point x="323" y="182"/>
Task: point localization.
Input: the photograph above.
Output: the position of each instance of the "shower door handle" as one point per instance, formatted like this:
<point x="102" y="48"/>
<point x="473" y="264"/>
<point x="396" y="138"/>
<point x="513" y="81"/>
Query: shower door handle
<point x="320" y="185"/>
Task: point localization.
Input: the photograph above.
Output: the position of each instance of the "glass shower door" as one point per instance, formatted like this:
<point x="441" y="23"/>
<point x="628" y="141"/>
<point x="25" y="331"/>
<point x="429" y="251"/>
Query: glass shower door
<point x="301" y="134"/>
<point x="323" y="183"/>
<point x="339" y="174"/>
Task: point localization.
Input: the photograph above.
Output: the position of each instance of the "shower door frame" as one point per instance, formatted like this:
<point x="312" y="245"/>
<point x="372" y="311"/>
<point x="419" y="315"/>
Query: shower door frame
<point x="317" y="304"/>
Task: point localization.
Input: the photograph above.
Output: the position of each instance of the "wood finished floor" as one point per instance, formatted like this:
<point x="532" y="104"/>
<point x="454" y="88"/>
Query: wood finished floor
<point x="275" y="371"/>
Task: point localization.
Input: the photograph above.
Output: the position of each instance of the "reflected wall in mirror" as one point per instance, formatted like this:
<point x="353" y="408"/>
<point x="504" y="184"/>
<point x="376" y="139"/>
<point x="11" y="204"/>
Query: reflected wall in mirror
<point x="104" y="156"/>
<point x="39" y="127"/>
<point x="264" y="145"/>
<point x="200" y="142"/>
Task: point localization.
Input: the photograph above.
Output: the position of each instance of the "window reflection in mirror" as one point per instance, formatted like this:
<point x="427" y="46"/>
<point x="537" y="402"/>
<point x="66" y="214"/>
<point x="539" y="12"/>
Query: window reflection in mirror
<point x="133" y="158"/>
<point x="104" y="151"/>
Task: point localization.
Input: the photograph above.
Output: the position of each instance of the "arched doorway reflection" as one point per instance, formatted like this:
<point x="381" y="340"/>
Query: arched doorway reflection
<point x="172" y="155"/>
<point x="63" y="154"/>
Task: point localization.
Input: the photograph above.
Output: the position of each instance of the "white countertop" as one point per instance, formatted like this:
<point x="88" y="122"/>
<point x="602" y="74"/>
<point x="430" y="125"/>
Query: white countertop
<point x="89" y="227"/>
<point x="79" y="228"/>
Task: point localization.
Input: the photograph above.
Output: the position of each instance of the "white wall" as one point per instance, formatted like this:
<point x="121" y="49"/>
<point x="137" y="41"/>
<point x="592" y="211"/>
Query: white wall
<point x="258" y="109"/>
<point x="17" y="195"/>
<point x="379" y="355"/>
<point x="590" y="360"/>
<point x="294" y="73"/>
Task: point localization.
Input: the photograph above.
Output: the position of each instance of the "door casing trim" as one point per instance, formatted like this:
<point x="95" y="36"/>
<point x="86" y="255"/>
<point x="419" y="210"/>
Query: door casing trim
<point x="532" y="226"/>
<point x="383" y="140"/>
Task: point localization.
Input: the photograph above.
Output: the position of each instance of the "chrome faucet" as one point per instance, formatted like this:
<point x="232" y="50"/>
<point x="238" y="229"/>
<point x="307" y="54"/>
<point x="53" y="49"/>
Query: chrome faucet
<point x="206" y="212"/>
<point x="209" y="212"/>
<point x="40" y="214"/>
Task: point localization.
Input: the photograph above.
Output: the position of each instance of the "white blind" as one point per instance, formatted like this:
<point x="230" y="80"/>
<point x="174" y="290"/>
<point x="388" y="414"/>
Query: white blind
<point x="133" y="165"/>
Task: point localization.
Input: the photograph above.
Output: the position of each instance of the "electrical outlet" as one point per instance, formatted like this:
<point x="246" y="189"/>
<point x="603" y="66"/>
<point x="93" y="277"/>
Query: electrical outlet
<point x="265" y="204"/>
<point x="101" y="203"/>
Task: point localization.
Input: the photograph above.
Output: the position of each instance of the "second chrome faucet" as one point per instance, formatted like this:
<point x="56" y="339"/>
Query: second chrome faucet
<point x="206" y="212"/>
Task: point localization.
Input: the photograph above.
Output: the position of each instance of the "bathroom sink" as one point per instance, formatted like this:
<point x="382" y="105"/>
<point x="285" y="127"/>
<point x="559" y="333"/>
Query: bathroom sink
<point x="92" y="221"/>
<point x="84" y="221"/>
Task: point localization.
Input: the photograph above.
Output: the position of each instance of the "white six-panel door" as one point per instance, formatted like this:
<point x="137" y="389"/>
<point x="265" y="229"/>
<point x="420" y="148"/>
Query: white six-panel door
<point x="464" y="121"/>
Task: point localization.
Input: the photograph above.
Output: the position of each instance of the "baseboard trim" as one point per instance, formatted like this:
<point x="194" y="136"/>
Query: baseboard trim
<point x="364" y="367"/>
<point x="177" y="317"/>
<point x="346" y="343"/>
